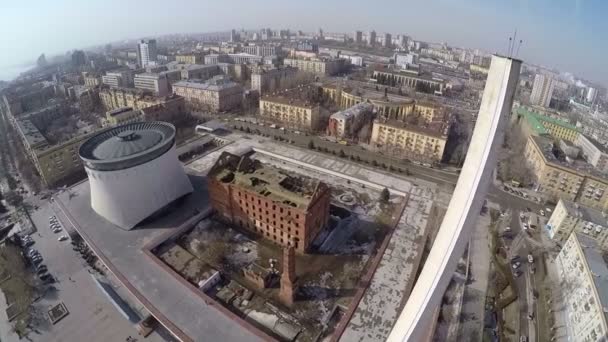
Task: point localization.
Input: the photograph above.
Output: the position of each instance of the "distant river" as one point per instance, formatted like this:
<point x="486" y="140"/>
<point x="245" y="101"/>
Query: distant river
<point x="8" y="73"/>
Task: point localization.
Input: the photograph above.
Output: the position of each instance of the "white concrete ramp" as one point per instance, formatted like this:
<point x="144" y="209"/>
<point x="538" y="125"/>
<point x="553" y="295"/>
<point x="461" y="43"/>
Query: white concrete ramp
<point x="416" y="319"/>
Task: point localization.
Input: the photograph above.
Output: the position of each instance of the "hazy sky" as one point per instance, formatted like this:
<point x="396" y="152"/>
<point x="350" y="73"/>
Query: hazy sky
<point x="571" y="35"/>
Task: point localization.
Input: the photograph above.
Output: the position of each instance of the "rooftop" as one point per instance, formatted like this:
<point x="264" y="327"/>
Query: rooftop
<point x="598" y="269"/>
<point x="214" y="84"/>
<point x="536" y="120"/>
<point x="438" y="129"/>
<point x="353" y="111"/>
<point x="546" y="147"/>
<point x="127" y="145"/>
<point x="268" y="181"/>
<point x="585" y="213"/>
<point x="597" y="144"/>
<point x="293" y="97"/>
<point x="173" y="302"/>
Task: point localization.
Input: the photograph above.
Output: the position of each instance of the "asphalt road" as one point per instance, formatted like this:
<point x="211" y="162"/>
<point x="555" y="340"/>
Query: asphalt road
<point x="435" y="175"/>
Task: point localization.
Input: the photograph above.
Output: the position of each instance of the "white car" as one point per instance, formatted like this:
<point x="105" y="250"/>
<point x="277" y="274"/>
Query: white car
<point x="542" y="213"/>
<point x="516" y="265"/>
<point x="530" y="258"/>
<point x="62" y="238"/>
<point x="525" y="226"/>
<point x="548" y="210"/>
<point x="56" y="230"/>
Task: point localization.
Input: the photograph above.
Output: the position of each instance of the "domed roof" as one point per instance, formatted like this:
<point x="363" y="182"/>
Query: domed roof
<point x="127" y="145"/>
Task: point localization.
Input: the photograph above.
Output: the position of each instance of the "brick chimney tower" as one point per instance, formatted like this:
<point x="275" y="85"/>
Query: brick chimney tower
<point x="288" y="276"/>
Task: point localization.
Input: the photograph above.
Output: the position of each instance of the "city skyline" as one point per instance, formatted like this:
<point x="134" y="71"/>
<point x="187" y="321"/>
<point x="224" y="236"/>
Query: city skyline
<point x="547" y="41"/>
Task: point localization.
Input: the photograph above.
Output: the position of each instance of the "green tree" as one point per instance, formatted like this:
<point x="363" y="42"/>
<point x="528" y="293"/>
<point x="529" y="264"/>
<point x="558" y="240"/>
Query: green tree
<point x="385" y="195"/>
<point x="14" y="199"/>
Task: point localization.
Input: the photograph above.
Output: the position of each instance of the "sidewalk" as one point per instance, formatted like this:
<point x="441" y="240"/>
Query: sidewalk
<point x="6" y="329"/>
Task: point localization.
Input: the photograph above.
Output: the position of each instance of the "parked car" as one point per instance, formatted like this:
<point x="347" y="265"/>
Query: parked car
<point x="515" y="258"/>
<point x="41" y="267"/>
<point x="530" y="258"/>
<point x="516" y="265"/>
<point x="62" y="238"/>
<point x="507" y="229"/>
<point x="548" y="210"/>
<point x="517" y="273"/>
<point x="523" y="339"/>
<point x="41" y="271"/>
<point x="542" y="212"/>
<point x="56" y="230"/>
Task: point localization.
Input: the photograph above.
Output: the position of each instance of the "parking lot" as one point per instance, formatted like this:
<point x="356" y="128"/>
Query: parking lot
<point x="92" y="316"/>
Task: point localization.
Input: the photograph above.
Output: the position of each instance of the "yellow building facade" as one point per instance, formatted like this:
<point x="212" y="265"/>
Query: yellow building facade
<point x="409" y="141"/>
<point x="290" y="113"/>
<point x="562" y="181"/>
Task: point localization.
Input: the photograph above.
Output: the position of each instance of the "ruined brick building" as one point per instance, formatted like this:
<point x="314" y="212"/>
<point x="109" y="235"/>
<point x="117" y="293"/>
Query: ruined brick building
<point x="268" y="201"/>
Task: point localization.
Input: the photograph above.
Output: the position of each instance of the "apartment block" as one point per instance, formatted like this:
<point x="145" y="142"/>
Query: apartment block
<point x="584" y="282"/>
<point x="217" y="94"/>
<point x="595" y="153"/>
<point x="323" y="67"/>
<point x="562" y="177"/>
<point x="190" y="58"/>
<point x="155" y="83"/>
<point x="542" y="90"/>
<point x="424" y="143"/>
<point x="266" y="80"/>
<point x="291" y="111"/>
<point x="345" y="123"/>
<point x="534" y="123"/>
<point x="408" y="78"/>
<point x="570" y="217"/>
<point x="117" y="79"/>
<point x="285" y="209"/>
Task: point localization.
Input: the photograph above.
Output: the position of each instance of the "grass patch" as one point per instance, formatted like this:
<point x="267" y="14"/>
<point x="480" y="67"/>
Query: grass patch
<point x="18" y="289"/>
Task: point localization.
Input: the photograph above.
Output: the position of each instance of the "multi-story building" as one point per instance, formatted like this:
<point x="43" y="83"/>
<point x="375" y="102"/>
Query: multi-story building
<point x="117" y="79"/>
<point x="423" y="143"/>
<point x="324" y="67"/>
<point x="114" y="98"/>
<point x="218" y="94"/>
<point x="541" y="125"/>
<point x="92" y="80"/>
<point x="584" y="282"/>
<point x="199" y="72"/>
<point x="287" y="210"/>
<point x="406" y="61"/>
<point x="542" y="90"/>
<point x="353" y="59"/>
<point x="371" y="38"/>
<point x="346" y="123"/>
<point x="146" y="52"/>
<point x="54" y="162"/>
<point x="358" y="37"/>
<point x="262" y="50"/>
<point x="595" y="153"/>
<point x="291" y="111"/>
<point x="266" y="80"/>
<point x="238" y="58"/>
<point x="121" y="116"/>
<point x="389" y="106"/>
<point x="563" y="177"/>
<point x="408" y="78"/>
<point x="570" y="217"/>
<point x="155" y="83"/>
<point x="387" y="41"/>
<point x="190" y="58"/>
